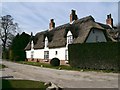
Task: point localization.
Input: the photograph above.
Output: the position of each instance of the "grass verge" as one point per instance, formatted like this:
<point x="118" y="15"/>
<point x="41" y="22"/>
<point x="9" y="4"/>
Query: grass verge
<point x="2" y="66"/>
<point x="63" y="67"/>
<point x="22" y="84"/>
<point x="45" y="65"/>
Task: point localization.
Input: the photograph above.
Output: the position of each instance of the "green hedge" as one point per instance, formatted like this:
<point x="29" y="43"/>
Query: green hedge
<point x="99" y="56"/>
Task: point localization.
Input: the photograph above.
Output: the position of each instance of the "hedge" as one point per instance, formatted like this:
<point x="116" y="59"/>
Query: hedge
<point x="99" y="56"/>
<point x="55" y="62"/>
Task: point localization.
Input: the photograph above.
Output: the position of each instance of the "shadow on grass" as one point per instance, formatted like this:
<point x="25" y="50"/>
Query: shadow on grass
<point x="22" y="85"/>
<point x="6" y="84"/>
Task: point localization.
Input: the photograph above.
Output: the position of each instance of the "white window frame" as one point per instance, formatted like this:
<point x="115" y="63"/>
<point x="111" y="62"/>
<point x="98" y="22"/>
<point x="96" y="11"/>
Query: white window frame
<point x="46" y="55"/>
<point x="56" y="52"/>
<point x="46" y="42"/>
<point x="70" y="39"/>
<point x="66" y="54"/>
<point x="32" y="54"/>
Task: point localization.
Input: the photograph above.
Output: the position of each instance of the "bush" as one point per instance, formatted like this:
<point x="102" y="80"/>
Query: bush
<point x="55" y="62"/>
<point x="98" y="56"/>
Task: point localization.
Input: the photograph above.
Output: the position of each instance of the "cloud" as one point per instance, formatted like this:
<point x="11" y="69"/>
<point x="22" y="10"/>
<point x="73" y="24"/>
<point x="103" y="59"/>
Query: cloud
<point x="60" y="1"/>
<point x="35" y="16"/>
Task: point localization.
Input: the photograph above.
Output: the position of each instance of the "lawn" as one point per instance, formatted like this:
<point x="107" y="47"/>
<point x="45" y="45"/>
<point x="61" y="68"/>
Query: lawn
<point x="22" y="84"/>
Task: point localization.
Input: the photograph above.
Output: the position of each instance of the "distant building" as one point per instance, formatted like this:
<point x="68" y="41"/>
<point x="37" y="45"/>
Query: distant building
<point x="54" y="41"/>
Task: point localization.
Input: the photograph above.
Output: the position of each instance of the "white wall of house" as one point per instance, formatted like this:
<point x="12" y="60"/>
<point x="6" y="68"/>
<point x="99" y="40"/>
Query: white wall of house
<point x="28" y="53"/>
<point x="60" y="53"/>
<point x="96" y="36"/>
<point x="39" y="53"/>
<point x="56" y="52"/>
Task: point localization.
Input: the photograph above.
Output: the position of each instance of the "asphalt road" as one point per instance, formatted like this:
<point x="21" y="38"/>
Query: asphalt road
<point x="63" y="78"/>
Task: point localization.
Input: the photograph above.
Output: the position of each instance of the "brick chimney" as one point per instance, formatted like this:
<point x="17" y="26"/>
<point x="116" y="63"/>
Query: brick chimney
<point x="51" y="24"/>
<point x="73" y="16"/>
<point x="109" y="20"/>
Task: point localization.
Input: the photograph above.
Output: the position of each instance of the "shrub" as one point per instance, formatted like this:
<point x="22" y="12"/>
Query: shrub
<point x="55" y="62"/>
<point x="98" y="56"/>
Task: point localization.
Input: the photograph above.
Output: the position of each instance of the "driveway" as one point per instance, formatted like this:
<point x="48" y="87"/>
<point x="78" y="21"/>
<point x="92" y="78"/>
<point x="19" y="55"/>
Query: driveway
<point x="63" y="78"/>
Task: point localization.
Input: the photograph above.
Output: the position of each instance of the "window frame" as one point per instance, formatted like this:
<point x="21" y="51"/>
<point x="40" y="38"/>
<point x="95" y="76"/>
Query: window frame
<point x="66" y="54"/>
<point x="56" y="52"/>
<point x="46" y="55"/>
<point x="69" y="39"/>
<point x="32" y="54"/>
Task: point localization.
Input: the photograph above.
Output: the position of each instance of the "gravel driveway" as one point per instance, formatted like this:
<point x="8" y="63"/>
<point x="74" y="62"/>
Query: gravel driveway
<point x="63" y="78"/>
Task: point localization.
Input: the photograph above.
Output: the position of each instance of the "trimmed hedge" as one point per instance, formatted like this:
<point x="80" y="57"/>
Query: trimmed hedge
<point x="55" y="62"/>
<point x="98" y="56"/>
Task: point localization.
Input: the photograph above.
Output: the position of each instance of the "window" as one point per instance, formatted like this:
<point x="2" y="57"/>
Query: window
<point x="46" y="54"/>
<point x="96" y="38"/>
<point x="46" y="42"/>
<point x="56" y="52"/>
<point x="69" y="39"/>
<point x="66" y="54"/>
<point x="32" y="54"/>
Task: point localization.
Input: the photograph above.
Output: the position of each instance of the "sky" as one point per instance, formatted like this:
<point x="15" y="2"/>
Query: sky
<point x="35" y="16"/>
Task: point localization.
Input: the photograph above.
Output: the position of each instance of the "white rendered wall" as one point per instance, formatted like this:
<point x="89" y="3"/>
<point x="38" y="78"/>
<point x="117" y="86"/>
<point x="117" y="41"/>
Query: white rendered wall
<point x="28" y="53"/>
<point x="97" y="33"/>
<point x="39" y="53"/>
<point x="60" y="53"/>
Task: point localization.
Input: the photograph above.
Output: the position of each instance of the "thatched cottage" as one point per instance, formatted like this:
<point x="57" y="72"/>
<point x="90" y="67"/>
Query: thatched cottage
<point x="54" y="42"/>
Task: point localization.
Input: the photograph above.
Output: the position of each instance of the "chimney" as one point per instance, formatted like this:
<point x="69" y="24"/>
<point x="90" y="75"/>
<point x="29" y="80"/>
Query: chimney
<point x="109" y="20"/>
<point x="73" y="16"/>
<point x="51" y="24"/>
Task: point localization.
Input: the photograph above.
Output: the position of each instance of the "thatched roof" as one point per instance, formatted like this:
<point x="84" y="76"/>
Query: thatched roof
<point x="57" y="36"/>
<point x="28" y="47"/>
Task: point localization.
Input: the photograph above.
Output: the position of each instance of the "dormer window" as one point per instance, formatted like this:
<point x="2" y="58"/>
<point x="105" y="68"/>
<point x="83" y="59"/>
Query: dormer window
<point x="32" y="45"/>
<point x="46" y="42"/>
<point x="69" y="38"/>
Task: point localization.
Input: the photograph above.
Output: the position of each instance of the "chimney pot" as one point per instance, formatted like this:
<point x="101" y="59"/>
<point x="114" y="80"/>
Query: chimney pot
<point x="110" y="15"/>
<point x="73" y="16"/>
<point x="109" y="20"/>
<point x="107" y="16"/>
<point x="51" y="24"/>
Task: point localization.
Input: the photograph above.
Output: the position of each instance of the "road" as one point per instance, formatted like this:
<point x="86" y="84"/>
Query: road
<point x="63" y="78"/>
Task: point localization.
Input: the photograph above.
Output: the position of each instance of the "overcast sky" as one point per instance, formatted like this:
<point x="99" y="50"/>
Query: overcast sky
<point x="34" y="16"/>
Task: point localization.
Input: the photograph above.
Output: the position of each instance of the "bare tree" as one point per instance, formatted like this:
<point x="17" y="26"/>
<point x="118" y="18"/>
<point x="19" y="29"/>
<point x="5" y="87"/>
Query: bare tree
<point x="118" y="27"/>
<point x="7" y="30"/>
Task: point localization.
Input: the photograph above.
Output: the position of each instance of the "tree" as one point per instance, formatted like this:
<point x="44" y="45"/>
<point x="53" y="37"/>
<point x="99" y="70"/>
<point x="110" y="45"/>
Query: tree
<point x="18" y="45"/>
<point x="118" y="32"/>
<point x="7" y="30"/>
